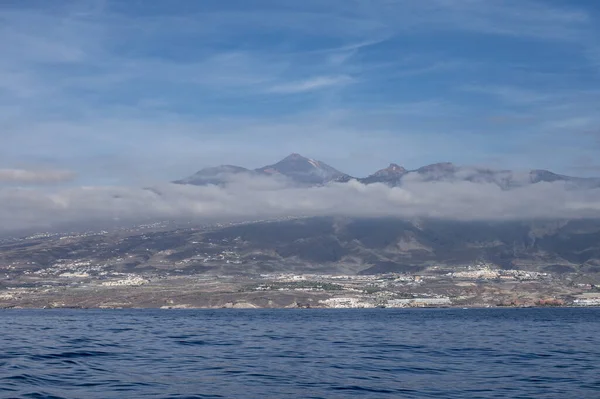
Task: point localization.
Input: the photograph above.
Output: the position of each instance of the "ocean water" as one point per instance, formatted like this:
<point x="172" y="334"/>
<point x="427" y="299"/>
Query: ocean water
<point x="376" y="353"/>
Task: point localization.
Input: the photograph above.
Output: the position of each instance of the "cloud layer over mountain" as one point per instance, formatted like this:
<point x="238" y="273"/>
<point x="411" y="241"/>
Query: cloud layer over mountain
<point x="264" y="197"/>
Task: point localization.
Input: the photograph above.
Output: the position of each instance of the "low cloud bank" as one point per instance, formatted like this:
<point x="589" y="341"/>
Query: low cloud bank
<point x="257" y="198"/>
<point x="23" y="176"/>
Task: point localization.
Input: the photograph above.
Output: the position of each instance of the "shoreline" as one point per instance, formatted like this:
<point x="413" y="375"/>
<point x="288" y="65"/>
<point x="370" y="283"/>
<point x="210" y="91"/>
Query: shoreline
<point x="12" y="308"/>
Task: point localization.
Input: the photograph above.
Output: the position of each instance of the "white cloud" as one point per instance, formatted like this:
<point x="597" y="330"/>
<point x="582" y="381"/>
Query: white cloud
<point x="35" y="176"/>
<point x="86" y="206"/>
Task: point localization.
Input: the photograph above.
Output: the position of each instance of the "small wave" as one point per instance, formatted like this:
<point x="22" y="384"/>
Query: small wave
<point x="197" y="342"/>
<point x="69" y="355"/>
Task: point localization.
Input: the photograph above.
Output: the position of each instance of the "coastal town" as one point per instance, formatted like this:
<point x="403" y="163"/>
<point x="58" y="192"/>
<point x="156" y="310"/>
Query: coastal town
<point x="83" y="285"/>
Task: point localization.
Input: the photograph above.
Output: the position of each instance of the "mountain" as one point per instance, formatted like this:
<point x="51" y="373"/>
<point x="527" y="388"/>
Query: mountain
<point x="216" y="175"/>
<point x="438" y="170"/>
<point x="505" y="179"/>
<point x="326" y="244"/>
<point x="538" y="175"/>
<point x="380" y="245"/>
<point x="390" y="175"/>
<point x="299" y="169"/>
<point x="447" y="171"/>
<point x="310" y="172"/>
<point x="303" y="170"/>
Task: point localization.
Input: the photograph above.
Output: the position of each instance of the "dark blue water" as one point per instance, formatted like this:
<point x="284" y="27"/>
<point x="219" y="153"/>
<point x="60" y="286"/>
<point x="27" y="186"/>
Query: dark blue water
<point x="499" y="353"/>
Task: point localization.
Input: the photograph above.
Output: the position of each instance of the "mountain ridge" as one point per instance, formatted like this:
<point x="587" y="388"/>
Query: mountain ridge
<point x="311" y="172"/>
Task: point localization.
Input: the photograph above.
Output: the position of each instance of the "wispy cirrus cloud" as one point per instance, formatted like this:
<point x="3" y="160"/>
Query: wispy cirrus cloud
<point x="535" y="19"/>
<point x="312" y="84"/>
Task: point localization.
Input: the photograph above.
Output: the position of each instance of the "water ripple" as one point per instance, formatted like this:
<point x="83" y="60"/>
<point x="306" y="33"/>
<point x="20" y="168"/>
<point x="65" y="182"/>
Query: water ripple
<point x="517" y="353"/>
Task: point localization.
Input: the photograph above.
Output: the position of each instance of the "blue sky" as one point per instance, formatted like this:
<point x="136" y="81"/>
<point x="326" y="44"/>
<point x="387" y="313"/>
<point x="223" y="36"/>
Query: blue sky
<point x="128" y="92"/>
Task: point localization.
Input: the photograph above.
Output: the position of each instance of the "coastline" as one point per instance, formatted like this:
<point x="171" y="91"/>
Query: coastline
<point x="74" y="308"/>
<point x="139" y="291"/>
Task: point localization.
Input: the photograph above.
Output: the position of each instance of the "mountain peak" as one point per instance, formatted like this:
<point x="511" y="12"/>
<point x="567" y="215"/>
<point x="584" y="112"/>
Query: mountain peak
<point x="300" y="161"/>
<point x="294" y="156"/>
<point x="539" y="175"/>
<point x="390" y="175"/>
<point x="302" y="170"/>
<point x="392" y="169"/>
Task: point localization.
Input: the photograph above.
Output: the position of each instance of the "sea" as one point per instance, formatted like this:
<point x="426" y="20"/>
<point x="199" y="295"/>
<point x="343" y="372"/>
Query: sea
<point x="301" y="353"/>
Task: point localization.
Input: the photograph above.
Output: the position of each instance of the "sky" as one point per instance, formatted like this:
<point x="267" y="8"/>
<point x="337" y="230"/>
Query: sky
<point x="102" y="99"/>
<point x="130" y="92"/>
